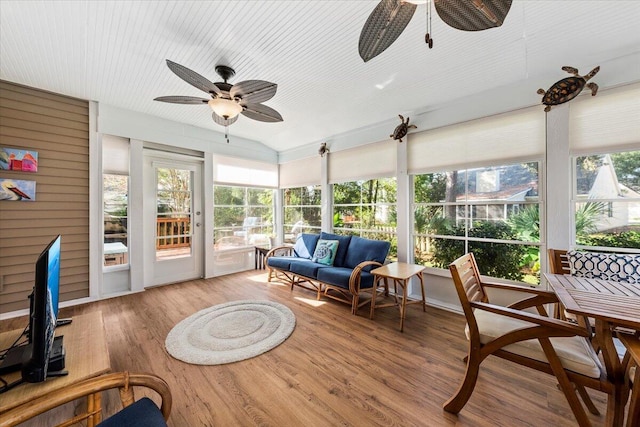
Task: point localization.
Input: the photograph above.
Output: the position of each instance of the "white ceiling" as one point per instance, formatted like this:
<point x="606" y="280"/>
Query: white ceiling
<point x="114" y="53"/>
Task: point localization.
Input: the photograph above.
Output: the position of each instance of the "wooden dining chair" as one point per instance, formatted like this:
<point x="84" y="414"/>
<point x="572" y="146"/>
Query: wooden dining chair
<point x="632" y="358"/>
<point x="536" y="341"/>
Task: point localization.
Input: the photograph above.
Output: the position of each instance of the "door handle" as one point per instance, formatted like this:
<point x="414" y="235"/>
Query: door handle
<point x="197" y="224"/>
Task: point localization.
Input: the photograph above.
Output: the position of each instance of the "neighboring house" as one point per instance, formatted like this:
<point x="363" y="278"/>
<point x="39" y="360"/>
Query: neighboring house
<point x="606" y="188"/>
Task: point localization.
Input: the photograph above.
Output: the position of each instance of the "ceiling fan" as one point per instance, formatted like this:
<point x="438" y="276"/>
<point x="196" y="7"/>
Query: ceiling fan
<point x="227" y="101"/>
<point x="390" y="17"/>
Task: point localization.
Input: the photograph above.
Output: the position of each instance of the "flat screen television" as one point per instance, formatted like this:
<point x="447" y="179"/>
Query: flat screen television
<point x="43" y="313"/>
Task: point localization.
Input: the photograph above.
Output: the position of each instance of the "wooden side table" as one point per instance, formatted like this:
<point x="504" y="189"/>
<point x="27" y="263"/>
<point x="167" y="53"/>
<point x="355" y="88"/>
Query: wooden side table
<point x="400" y="273"/>
<point x="87" y="356"/>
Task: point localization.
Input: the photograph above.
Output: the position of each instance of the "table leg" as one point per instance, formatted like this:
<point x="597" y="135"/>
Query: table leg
<point x="403" y="304"/>
<point x="424" y="302"/>
<point x="376" y="281"/>
<point x="615" y="373"/>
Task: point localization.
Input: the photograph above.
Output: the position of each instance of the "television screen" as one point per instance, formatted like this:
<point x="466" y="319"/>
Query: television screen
<point x="44" y="312"/>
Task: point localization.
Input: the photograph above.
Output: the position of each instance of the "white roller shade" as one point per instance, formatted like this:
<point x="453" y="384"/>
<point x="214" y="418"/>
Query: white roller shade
<point x="115" y="155"/>
<point x="300" y="173"/>
<point x="497" y="139"/>
<point x="605" y="122"/>
<point x="249" y="173"/>
<point x="375" y="160"/>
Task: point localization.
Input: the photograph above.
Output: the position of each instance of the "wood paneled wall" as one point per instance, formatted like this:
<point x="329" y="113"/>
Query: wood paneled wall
<point x="57" y="127"/>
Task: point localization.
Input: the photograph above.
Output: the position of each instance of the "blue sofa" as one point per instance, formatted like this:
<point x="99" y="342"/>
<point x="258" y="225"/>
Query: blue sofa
<point x="355" y="257"/>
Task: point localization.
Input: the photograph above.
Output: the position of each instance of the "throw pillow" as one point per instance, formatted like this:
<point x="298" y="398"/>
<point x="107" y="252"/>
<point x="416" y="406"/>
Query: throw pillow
<point x="607" y="266"/>
<point x="325" y="252"/>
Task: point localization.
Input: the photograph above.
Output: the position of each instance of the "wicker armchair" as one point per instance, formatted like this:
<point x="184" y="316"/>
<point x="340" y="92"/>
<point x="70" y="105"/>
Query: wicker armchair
<point x="92" y="389"/>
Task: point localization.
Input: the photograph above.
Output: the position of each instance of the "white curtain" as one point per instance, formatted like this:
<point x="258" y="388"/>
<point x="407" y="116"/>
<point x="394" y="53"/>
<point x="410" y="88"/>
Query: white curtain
<point x="608" y="122"/>
<point x="498" y="139"/>
<point x="369" y="161"/>
<point x="300" y="173"/>
<point x="115" y="155"/>
<point x="242" y="172"/>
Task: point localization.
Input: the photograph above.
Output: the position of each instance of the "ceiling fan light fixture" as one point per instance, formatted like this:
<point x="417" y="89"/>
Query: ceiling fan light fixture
<point x="225" y="107"/>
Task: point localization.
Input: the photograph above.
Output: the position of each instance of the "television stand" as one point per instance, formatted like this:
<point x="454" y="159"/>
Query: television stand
<point x="87" y="356"/>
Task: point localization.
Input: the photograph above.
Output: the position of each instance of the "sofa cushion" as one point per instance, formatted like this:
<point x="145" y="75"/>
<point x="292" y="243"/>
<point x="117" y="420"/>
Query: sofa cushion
<point x="607" y="266"/>
<point x="306" y="268"/>
<point x="341" y="253"/>
<point x="281" y="262"/>
<point x="305" y="245"/>
<point x="141" y="413"/>
<point x="366" y="250"/>
<point x="325" y="252"/>
<point x="339" y="276"/>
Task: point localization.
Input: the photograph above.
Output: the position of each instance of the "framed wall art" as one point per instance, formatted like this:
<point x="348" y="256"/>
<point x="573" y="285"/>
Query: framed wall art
<point x="17" y="190"/>
<point x="16" y="159"/>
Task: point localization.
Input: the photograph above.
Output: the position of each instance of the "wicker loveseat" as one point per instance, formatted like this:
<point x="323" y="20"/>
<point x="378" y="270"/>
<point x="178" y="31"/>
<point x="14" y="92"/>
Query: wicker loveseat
<point x="350" y="273"/>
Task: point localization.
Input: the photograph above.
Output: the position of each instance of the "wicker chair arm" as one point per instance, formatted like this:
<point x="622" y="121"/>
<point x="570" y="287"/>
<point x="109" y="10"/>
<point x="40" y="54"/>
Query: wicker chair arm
<point x="121" y="380"/>
<point x="287" y="249"/>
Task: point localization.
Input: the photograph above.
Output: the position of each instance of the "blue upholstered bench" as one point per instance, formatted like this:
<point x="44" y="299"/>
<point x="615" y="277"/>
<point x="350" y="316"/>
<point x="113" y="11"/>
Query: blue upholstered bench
<point x="342" y="279"/>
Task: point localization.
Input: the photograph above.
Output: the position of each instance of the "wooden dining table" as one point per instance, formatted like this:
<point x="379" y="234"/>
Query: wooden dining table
<point x="611" y="304"/>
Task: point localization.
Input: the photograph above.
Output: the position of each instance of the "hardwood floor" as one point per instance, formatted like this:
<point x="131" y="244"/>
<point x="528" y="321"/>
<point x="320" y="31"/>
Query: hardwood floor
<point x="335" y="369"/>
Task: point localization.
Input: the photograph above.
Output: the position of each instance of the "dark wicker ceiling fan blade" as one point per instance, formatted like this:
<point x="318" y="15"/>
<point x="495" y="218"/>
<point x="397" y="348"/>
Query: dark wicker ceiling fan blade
<point x="261" y="113"/>
<point x="387" y="21"/>
<point x="253" y="91"/>
<point x="473" y="15"/>
<point x="222" y="121"/>
<point x="193" y="78"/>
<point x="182" y="100"/>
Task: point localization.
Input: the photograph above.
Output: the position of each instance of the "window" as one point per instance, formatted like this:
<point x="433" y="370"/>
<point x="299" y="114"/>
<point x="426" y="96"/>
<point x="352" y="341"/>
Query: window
<point x="242" y="216"/>
<point x="492" y="211"/>
<point x="302" y="211"/>
<point x="607" y="200"/>
<point x="115" y="189"/>
<point x="367" y="209"/>
<point x="173" y="213"/>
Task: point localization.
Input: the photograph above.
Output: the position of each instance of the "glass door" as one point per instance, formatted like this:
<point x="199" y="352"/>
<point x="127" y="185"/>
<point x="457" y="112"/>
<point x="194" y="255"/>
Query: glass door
<point x="173" y="220"/>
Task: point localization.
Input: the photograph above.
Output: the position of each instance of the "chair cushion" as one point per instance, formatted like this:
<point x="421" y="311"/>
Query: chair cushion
<point x="305" y="245"/>
<point x="339" y="276"/>
<point x="341" y="253"/>
<point x="575" y="353"/>
<point x="281" y="262"/>
<point x="325" y="252"/>
<point x="598" y="265"/>
<point x="306" y="268"/>
<point x="366" y="250"/>
<point x="142" y="413"/>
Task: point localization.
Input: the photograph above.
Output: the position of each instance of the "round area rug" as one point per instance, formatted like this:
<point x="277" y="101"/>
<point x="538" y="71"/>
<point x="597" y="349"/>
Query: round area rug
<point x="230" y="332"/>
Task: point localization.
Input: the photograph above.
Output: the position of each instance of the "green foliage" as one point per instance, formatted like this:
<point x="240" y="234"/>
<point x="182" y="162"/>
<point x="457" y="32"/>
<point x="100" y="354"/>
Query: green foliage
<point x="337" y="220"/>
<point x="494" y="259"/>
<point x="626" y="239"/>
<point x="587" y="217"/>
<point x="526" y="224"/>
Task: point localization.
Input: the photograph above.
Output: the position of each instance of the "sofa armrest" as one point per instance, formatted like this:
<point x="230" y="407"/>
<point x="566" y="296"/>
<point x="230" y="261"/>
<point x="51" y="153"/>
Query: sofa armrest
<point x="279" y="251"/>
<point x="354" y="280"/>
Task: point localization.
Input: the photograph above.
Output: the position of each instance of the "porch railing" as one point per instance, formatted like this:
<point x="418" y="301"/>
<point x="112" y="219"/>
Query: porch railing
<point x="173" y="233"/>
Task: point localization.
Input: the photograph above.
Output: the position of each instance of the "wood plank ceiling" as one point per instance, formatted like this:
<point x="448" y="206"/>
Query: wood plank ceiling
<point x="114" y="53"/>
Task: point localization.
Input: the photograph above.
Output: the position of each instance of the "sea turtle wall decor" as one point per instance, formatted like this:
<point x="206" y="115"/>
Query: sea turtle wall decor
<point x="568" y="88"/>
<point x="401" y="130"/>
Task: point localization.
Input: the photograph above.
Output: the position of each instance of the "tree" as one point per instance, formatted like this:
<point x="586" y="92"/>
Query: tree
<point x="627" y="167"/>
